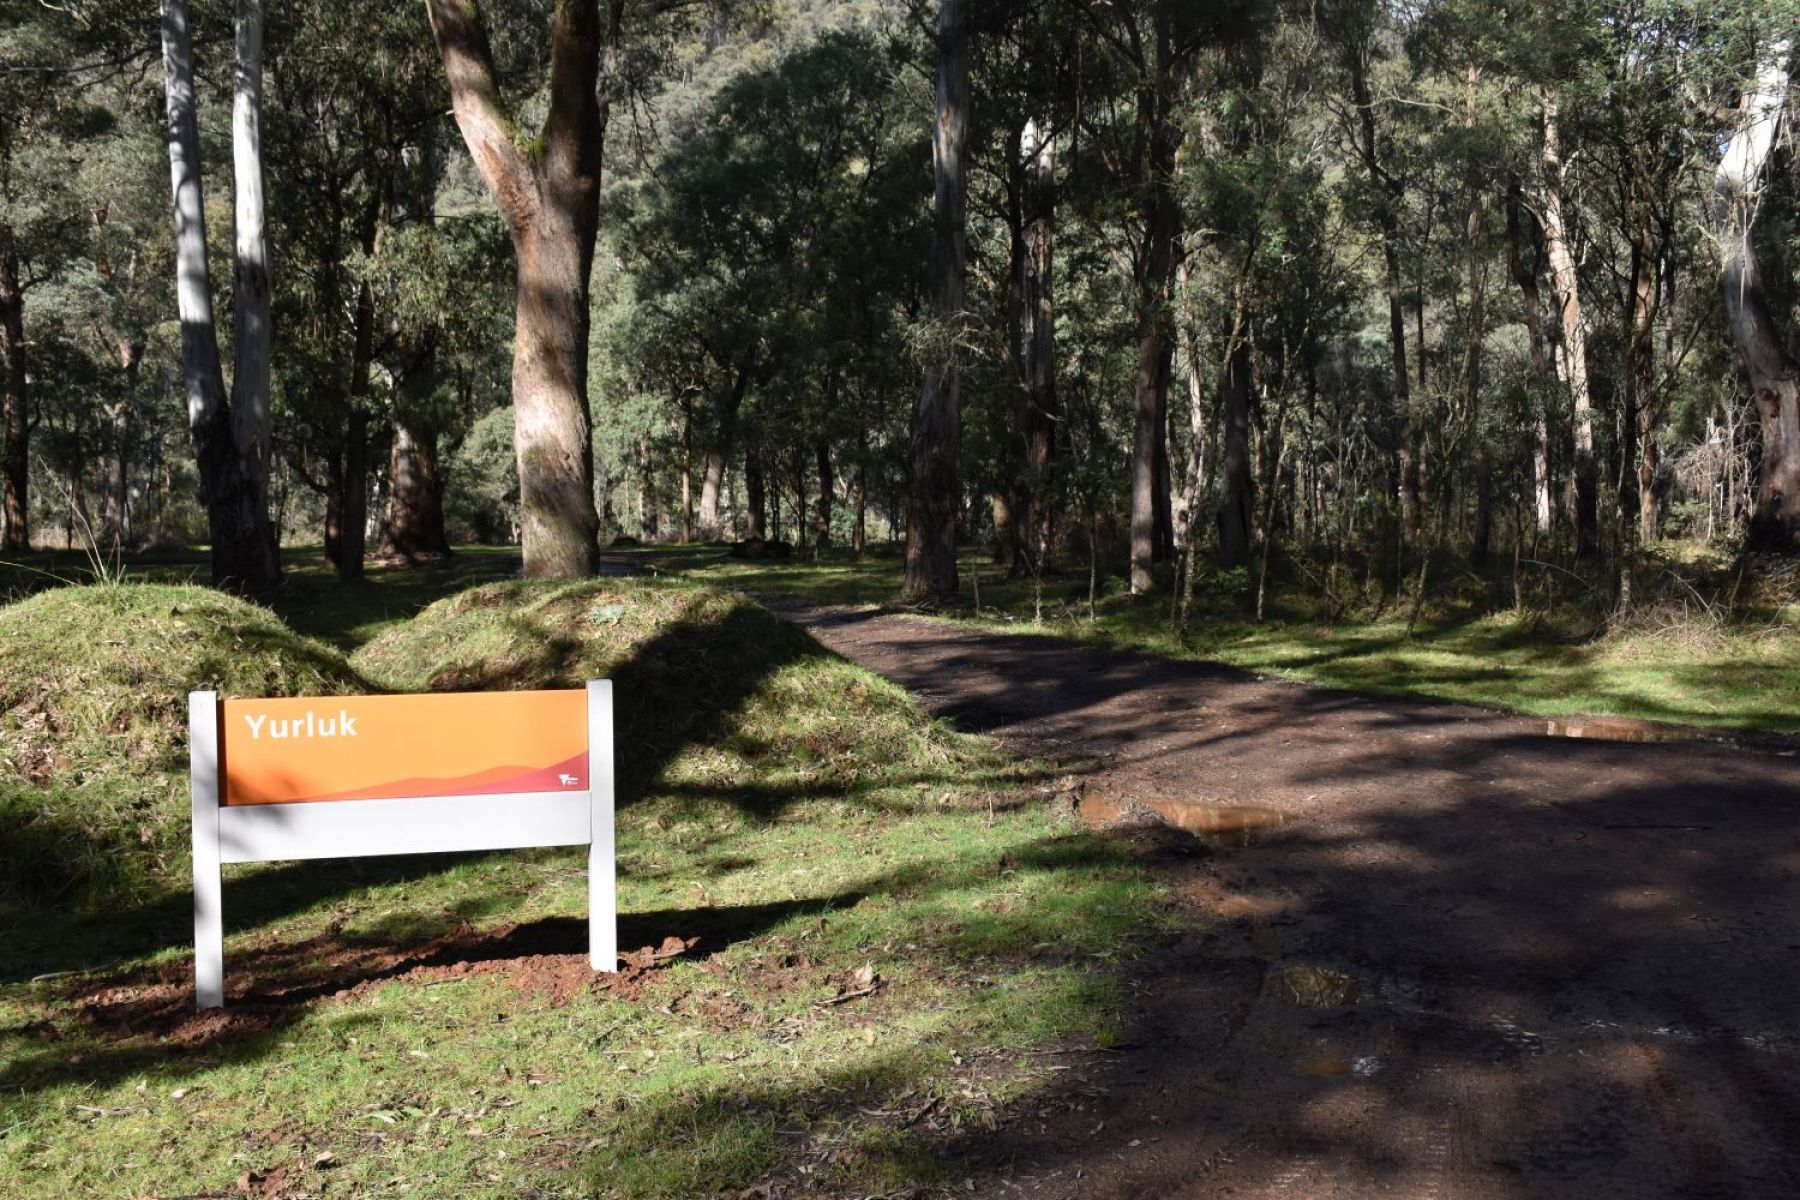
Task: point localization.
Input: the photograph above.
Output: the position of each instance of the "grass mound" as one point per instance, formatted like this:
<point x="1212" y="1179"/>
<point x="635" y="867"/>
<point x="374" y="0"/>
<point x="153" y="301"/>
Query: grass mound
<point x="93" y="728"/>
<point x="718" y="699"/>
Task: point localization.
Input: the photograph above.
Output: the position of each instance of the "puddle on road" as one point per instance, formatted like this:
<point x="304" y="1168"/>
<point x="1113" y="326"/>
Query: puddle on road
<point x="1336" y="1066"/>
<point x="1228" y="824"/>
<point x="1314" y="987"/>
<point x="1616" y="729"/>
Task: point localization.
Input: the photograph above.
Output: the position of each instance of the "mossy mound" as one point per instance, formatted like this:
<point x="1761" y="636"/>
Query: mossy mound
<point x="716" y="697"/>
<point x="93" y="728"/>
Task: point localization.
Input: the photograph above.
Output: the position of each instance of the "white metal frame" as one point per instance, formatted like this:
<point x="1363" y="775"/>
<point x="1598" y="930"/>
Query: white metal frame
<point x="424" y="825"/>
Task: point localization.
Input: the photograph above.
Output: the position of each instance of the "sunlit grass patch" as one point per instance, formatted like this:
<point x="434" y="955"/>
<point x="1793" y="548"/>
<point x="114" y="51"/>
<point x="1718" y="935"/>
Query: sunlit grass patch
<point x="1693" y="666"/>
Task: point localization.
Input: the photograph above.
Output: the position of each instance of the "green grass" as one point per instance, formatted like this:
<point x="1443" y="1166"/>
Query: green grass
<point x="1669" y="665"/>
<point x="795" y="813"/>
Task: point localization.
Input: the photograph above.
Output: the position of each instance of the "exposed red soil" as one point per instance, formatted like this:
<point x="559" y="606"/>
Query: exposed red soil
<point x="269" y="984"/>
<point x="1438" y="952"/>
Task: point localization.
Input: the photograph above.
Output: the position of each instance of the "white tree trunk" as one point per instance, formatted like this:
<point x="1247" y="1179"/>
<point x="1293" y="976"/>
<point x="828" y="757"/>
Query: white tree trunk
<point x="193" y="287"/>
<point x="233" y="465"/>
<point x="250" y="421"/>
<point x="1774" y="373"/>
<point x="1566" y="286"/>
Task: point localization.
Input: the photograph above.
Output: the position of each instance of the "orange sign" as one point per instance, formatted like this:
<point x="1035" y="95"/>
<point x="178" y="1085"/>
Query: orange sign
<point x="384" y="747"/>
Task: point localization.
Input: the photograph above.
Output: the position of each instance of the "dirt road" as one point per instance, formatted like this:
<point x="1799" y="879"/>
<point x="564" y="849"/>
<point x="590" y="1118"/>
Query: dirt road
<point x="1448" y="956"/>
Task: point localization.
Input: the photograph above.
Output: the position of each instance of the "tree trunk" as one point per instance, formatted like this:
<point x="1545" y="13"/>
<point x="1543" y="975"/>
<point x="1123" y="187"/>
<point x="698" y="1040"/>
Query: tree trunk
<point x="1525" y="275"/>
<point x="797" y="468"/>
<point x="550" y="200"/>
<point x="646" y="497"/>
<point x="687" y="473"/>
<point x="1150" y="525"/>
<point x="822" y="522"/>
<point x="15" y="531"/>
<point x="1037" y="344"/>
<point x="1567" y="288"/>
<point x="1196" y="466"/>
<point x="1006" y="549"/>
<point x="1234" y="477"/>
<point x="859" y="499"/>
<point x="1774" y="373"/>
<point x="757" y="522"/>
<point x="1477" y="265"/>
<point x="413" y="523"/>
<point x="937" y="422"/>
<point x="353" y="532"/>
<point x="114" y="514"/>
<point x="1637" y="517"/>
<point x="712" y="482"/>
<point x="230" y="448"/>
<point x="334" y="511"/>
<point x="1386" y="191"/>
<point x="250" y="293"/>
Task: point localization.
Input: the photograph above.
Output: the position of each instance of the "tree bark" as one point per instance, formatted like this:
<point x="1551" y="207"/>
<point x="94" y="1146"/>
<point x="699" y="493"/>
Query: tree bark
<point x="114" y="513"/>
<point x="1567" y="288"/>
<point x="230" y="448"/>
<point x="15" y="431"/>
<point x="937" y="422"/>
<point x="757" y="520"/>
<point x="1482" y="534"/>
<point x="822" y="521"/>
<point x="353" y="532"/>
<point x="1774" y="373"/>
<point x="413" y="524"/>
<point x="712" y="479"/>
<point x="1151" y="526"/>
<point x="250" y="294"/>
<point x="1037" y="344"/>
<point x="550" y="201"/>
<point x="1525" y="275"/>
<point x="1386" y="192"/>
<point x="859" y="499"/>
<point x="1637" y="515"/>
<point x="646" y="498"/>
<point x="1235" y="500"/>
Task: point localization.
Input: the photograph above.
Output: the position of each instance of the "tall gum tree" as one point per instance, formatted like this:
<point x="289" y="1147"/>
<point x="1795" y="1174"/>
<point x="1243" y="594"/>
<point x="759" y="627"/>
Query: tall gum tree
<point x="231" y="435"/>
<point x="1573" y="357"/>
<point x="1774" y="373"/>
<point x="937" y="421"/>
<point x="548" y="191"/>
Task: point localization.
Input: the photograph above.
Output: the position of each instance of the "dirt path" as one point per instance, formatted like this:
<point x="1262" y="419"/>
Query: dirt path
<point x="1454" y="958"/>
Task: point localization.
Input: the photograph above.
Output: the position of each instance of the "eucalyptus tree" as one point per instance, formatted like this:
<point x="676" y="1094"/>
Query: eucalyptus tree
<point x="231" y="433"/>
<point x="1773" y="370"/>
<point x="937" y="421"/>
<point x="548" y="191"/>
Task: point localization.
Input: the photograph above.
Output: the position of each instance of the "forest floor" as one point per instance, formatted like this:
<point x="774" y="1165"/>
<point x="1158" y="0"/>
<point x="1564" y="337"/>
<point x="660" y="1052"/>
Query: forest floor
<point x="1433" y="952"/>
<point x="1704" y="647"/>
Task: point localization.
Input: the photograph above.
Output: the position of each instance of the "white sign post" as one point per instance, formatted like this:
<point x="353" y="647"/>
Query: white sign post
<point x="352" y="827"/>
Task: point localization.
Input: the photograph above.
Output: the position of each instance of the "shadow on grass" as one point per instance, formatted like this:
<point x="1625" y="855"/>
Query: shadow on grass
<point x="121" y="1022"/>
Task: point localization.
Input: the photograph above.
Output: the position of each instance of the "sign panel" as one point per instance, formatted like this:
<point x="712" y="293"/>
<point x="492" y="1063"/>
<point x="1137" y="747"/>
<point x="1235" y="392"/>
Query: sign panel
<point x="300" y="751"/>
<point x="339" y="777"/>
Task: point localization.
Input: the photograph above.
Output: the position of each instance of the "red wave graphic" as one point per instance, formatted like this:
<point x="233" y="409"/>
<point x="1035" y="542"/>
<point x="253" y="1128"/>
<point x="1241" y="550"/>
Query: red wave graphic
<point x="494" y="781"/>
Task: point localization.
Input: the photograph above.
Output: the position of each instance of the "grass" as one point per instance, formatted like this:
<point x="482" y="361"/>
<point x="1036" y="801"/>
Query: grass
<point x="1679" y="661"/>
<point x="796" y="814"/>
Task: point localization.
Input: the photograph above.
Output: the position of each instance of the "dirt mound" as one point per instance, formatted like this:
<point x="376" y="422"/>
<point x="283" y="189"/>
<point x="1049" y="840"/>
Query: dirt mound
<point x="710" y="686"/>
<point x="93" y="728"/>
